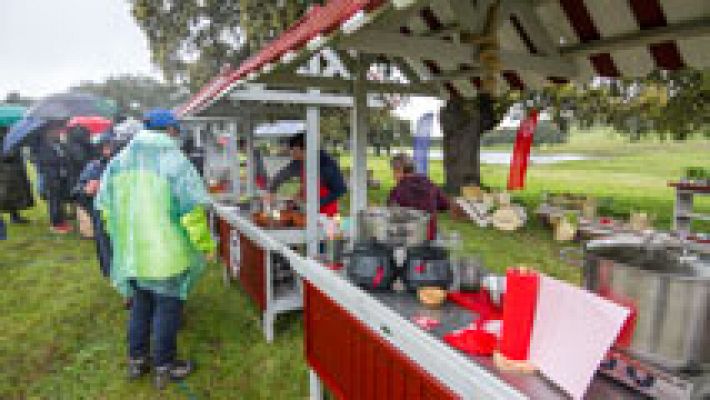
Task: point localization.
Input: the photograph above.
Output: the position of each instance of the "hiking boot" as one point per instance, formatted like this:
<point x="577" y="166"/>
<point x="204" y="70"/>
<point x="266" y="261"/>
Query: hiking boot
<point x="137" y="367"/>
<point x="176" y="371"/>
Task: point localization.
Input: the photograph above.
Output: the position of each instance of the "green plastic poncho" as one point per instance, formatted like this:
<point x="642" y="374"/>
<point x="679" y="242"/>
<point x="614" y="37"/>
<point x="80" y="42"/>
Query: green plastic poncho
<point x="153" y="201"/>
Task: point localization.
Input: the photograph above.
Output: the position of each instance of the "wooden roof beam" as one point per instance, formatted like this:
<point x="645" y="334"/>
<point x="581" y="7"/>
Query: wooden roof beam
<point x="406" y="69"/>
<point x="343" y="85"/>
<point x="546" y="65"/>
<point x="534" y="27"/>
<point x="457" y="75"/>
<point x="688" y="29"/>
<point x="470" y="18"/>
<point x="399" y="45"/>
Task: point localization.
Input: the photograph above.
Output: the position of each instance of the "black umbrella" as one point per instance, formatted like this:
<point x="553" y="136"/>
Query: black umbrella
<point x="57" y="107"/>
<point x="67" y="105"/>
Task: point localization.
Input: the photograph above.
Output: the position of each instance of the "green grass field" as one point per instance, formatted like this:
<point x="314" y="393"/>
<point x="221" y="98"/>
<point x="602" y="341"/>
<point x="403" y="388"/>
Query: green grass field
<point x="62" y="328"/>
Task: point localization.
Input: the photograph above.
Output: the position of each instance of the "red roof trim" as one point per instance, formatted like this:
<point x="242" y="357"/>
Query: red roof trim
<point x="666" y="55"/>
<point x="580" y="19"/>
<point x="514" y="80"/>
<point x="649" y="14"/>
<point x="319" y="20"/>
<point x="604" y="65"/>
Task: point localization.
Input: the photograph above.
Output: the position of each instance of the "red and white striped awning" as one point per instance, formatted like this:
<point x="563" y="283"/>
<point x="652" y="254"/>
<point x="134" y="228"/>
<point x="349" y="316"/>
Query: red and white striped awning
<point x="541" y="41"/>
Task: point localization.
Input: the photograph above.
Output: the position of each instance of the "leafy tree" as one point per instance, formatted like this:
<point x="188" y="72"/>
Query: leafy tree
<point x="192" y="40"/>
<point x="135" y="94"/>
<point x="665" y="104"/>
<point x="17" y="98"/>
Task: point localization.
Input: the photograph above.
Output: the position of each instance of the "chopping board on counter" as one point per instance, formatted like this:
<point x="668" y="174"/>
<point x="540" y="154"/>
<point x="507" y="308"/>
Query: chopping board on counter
<point x="573" y="331"/>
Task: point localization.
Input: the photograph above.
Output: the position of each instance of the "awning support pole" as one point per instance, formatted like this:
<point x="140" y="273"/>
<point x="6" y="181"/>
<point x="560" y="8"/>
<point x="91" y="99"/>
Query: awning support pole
<point x="234" y="164"/>
<point x="358" y="137"/>
<point x="312" y="178"/>
<point x="251" y="167"/>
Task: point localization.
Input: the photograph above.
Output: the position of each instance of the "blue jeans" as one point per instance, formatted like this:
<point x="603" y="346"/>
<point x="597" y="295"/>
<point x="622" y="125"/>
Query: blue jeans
<point x="151" y="312"/>
<point x="3" y="228"/>
<point x="103" y="243"/>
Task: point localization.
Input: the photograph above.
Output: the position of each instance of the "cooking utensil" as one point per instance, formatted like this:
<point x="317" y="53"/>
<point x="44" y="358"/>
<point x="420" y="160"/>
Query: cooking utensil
<point x="370" y="265"/>
<point x="669" y="295"/>
<point x="469" y="272"/>
<point x="396" y="226"/>
<point x="427" y="265"/>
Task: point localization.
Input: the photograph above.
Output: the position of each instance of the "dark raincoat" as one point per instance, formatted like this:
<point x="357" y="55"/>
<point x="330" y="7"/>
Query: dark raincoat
<point x="55" y="167"/>
<point x="15" y="190"/>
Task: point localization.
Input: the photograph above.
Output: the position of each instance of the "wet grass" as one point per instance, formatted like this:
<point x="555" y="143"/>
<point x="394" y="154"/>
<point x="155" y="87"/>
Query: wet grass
<point x="62" y="331"/>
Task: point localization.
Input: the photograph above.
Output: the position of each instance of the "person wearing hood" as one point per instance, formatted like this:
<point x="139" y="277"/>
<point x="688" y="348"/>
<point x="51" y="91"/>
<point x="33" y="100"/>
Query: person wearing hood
<point x="416" y="191"/>
<point x="154" y="204"/>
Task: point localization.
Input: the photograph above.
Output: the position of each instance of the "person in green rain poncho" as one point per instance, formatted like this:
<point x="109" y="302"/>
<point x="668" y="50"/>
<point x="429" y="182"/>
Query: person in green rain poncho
<point x="154" y="204"/>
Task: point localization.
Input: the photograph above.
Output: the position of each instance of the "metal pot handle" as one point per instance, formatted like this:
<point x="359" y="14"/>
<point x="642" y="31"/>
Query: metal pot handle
<point x="572" y="256"/>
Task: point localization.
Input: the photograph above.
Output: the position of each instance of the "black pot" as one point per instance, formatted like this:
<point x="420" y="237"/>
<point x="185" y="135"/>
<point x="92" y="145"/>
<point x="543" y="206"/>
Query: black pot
<point x="371" y="266"/>
<point x="427" y="266"/>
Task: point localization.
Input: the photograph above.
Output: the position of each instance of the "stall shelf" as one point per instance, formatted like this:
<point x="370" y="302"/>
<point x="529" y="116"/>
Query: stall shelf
<point x="255" y="269"/>
<point x="683" y="212"/>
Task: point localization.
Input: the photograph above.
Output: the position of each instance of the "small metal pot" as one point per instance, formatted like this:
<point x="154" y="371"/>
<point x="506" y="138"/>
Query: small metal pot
<point x="395" y="226"/>
<point x="470" y="272"/>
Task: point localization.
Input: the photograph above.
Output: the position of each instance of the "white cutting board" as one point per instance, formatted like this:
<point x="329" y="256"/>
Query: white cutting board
<point x="573" y="331"/>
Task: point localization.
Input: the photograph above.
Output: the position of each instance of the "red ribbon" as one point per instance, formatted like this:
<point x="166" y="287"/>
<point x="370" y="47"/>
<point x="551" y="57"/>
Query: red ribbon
<point x="379" y="275"/>
<point x="521" y="151"/>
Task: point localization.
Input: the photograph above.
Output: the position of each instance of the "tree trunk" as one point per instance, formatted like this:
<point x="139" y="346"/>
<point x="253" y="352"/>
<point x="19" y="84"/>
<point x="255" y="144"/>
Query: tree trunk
<point x="463" y="122"/>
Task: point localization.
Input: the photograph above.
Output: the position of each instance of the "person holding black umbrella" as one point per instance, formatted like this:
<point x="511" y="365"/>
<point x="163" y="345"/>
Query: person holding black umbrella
<point x="54" y="164"/>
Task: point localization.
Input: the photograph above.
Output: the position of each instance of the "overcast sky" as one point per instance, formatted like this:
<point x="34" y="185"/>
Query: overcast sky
<point x="48" y="45"/>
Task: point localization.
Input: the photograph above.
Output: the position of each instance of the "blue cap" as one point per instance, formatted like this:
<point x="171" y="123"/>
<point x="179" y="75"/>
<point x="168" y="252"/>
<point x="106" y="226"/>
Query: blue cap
<point x="160" y="118"/>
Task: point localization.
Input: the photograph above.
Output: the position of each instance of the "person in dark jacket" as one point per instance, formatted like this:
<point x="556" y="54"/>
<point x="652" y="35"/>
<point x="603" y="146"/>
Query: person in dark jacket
<point x="80" y="152"/>
<point x="416" y="191"/>
<point x="85" y="190"/>
<point x="54" y="164"/>
<point x="15" y="190"/>
<point x="331" y="186"/>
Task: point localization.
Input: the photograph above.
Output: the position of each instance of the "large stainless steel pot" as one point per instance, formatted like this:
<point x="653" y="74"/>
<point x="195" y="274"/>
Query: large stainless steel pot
<point x="669" y="294"/>
<point x="396" y="226"/>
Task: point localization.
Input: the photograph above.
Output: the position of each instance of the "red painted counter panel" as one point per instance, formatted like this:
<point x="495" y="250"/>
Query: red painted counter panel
<point x="251" y="271"/>
<point x="224" y="229"/>
<point x="356" y="363"/>
<point x="252" y="275"/>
